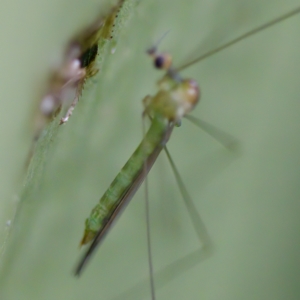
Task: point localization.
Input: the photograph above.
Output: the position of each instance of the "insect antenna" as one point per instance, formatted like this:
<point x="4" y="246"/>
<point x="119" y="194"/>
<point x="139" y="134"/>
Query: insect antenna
<point x="153" y="48"/>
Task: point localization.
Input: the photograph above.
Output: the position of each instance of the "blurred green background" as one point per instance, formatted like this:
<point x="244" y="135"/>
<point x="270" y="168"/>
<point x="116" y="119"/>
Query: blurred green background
<point x="250" y="203"/>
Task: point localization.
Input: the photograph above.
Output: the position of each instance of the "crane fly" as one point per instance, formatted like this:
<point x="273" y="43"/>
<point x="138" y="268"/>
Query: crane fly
<point x="175" y="99"/>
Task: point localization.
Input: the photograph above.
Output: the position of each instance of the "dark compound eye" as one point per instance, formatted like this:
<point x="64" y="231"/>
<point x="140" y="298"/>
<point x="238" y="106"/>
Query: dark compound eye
<point x="163" y="61"/>
<point x="159" y="62"/>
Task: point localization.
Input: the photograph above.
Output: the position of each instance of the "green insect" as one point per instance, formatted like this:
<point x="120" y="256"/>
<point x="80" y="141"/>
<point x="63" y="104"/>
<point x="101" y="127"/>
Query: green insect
<point x="175" y="99"/>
